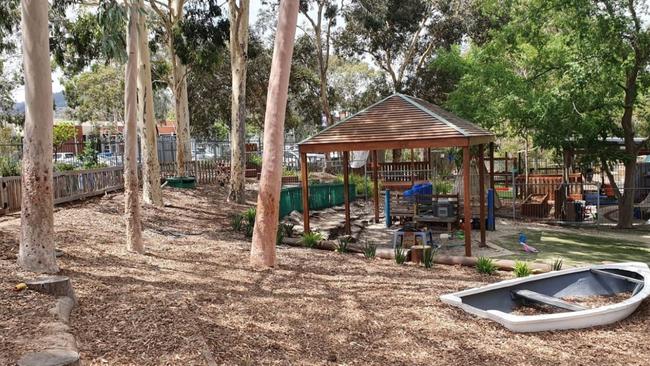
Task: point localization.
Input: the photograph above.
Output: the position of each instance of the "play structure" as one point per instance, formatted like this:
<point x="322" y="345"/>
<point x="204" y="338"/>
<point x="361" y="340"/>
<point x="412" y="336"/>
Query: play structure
<point x="405" y="122"/>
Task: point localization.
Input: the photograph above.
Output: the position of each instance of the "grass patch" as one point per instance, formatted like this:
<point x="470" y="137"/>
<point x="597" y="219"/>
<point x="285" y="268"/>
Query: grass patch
<point x="576" y="249"/>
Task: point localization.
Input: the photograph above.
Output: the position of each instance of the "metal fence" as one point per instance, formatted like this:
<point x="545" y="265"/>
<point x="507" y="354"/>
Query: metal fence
<point x="573" y="203"/>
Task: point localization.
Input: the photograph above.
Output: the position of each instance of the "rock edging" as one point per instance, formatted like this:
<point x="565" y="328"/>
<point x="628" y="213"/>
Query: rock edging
<point x="58" y="346"/>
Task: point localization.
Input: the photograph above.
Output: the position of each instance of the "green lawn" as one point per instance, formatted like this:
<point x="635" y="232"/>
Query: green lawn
<point x="576" y="249"/>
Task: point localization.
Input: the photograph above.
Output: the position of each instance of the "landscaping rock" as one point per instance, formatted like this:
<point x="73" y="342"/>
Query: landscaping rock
<point x="54" y="285"/>
<point x="54" y="357"/>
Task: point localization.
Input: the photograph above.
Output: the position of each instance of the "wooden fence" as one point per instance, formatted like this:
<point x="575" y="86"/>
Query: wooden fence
<point x="68" y="186"/>
<point x="79" y="184"/>
<point x="205" y="171"/>
<point x="547" y="184"/>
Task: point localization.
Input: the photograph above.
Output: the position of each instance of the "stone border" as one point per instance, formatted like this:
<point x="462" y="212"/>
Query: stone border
<point x="58" y="345"/>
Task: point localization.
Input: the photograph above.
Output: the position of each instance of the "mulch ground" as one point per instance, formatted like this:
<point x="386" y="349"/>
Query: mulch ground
<point x="194" y="300"/>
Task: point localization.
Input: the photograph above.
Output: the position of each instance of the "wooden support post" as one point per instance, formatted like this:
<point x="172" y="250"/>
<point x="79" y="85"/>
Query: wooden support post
<point x="492" y="165"/>
<point x="346" y="190"/>
<point x="412" y="167"/>
<point x="467" y="201"/>
<point x="304" y="170"/>
<point x="481" y="182"/>
<point x="375" y="184"/>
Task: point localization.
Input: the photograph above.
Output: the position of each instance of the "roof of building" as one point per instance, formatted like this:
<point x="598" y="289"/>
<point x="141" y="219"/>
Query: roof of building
<point x="398" y="121"/>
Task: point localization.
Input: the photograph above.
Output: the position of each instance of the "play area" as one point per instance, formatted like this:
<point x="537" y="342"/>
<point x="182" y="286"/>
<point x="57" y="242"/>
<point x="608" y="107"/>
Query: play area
<point x="319" y="182"/>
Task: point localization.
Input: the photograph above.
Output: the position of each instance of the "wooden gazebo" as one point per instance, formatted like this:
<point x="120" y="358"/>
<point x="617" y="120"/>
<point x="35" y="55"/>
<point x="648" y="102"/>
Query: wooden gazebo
<point x="399" y="122"/>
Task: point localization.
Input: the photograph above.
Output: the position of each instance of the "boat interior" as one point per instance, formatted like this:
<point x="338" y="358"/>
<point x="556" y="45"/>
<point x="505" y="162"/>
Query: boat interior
<point x="551" y="291"/>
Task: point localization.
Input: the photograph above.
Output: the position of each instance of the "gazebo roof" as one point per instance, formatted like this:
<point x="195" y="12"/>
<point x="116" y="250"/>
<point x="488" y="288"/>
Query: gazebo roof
<point x="397" y="122"/>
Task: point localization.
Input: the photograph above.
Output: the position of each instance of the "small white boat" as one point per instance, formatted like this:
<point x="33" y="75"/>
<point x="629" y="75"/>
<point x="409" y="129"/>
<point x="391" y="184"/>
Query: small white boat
<point x="560" y="292"/>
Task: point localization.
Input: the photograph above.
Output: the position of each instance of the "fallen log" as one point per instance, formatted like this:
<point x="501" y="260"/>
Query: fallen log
<point x="389" y="253"/>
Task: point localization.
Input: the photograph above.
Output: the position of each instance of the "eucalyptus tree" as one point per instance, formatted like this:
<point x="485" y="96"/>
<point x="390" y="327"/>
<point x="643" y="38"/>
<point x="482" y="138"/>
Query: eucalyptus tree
<point x="266" y="221"/>
<point x="194" y="33"/>
<point x="96" y="36"/>
<point x="36" y="251"/>
<point x="399" y="36"/>
<point x="131" y="185"/>
<point x="322" y="21"/>
<point x="151" y="189"/>
<point x="238" y="11"/>
<point x="170" y="15"/>
<point x="9" y="80"/>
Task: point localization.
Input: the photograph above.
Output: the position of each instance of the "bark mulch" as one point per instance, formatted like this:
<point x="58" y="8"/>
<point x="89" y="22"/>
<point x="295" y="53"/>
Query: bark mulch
<point x="194" y="300"/>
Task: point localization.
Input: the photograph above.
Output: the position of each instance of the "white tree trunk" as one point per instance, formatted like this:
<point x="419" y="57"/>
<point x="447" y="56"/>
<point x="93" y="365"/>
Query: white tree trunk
<point x="266" y="222"/>
<point x="131" y="186"/>
<point x="238" y="58"/>
<point x="179" y="90"/>
<point x="36" y="251"/>
<point x="151" y="191"/>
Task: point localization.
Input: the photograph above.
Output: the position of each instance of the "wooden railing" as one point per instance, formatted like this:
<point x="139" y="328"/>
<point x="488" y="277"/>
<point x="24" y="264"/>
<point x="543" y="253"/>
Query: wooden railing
<point x="68" y="186"/>
<point x="205" y="171"/>
<point x="404" y="171"/>
<point x="10" y="194"/>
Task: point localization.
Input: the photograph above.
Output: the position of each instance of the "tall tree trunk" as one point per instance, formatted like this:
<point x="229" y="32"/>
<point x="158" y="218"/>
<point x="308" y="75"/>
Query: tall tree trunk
<point x="238" y="58"/>
<point x="266" y="222"/>
<point x="131" y="186"/>
<point x="626" y="200"/>
<point x="36" y="251"/>
<point x="179" y="90"/>
<point x="151" y="191"/>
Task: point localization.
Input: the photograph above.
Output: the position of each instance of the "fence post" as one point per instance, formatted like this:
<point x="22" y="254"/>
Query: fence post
<point x="490" y="204"/>
<point x="597" y="204"/>
<point x="387" y="208"/>
<point x="514" y="194"/>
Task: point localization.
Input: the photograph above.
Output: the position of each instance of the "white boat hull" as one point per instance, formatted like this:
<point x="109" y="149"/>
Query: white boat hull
<point x="567" y="320"/>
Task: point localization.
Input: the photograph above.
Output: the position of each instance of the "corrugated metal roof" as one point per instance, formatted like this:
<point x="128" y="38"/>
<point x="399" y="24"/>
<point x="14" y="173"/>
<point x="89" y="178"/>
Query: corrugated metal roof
<point x="398" y="121"/>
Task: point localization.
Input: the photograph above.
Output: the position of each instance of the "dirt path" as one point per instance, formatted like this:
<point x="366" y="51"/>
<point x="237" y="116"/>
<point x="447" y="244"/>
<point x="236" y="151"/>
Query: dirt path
<point x="193" y="300"/>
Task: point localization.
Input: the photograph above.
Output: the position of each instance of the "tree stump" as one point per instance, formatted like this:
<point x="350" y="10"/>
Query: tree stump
<point x="418" y="252"/>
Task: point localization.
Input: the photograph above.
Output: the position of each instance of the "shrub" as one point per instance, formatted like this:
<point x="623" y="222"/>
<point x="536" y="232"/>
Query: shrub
<point x="342" y="245"/>
<point x="557" y="264"/>
<point x="9" y="168"/>
<point x="400" y="255"/>
<point x="89" y="156"/>
<point x="311" y="239"/>
<point x="369" y="250"/>
<point x="237" y="221"/>
<point x="485" y="265"/>
<point x="249" y="215"/>
<point x="286" y="172"/>
<point x="443" y="187"/>
<point x="522" y="269"/>
<point x="279" y="237"/>
<point x="428" y="257"/>
<point x="63" y="167"/>
<point x="288" y="230"/>
<point x="255" y="160"/>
